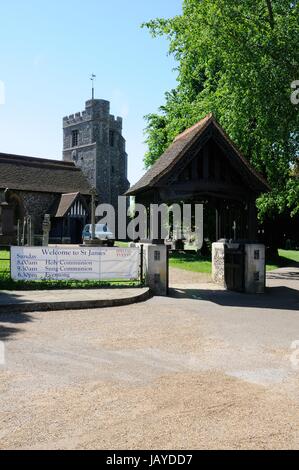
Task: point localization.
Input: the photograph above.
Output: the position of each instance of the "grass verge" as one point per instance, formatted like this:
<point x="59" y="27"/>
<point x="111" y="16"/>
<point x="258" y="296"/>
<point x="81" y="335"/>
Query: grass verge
<point x="190" y="261"/>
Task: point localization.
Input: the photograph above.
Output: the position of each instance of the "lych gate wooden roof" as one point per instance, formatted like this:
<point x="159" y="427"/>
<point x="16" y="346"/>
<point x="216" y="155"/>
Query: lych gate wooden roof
<point x="190" y="142"/>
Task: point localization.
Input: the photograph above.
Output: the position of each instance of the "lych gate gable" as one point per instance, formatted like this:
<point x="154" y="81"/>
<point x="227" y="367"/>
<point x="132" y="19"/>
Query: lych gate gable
<point x="204" y="158"/>
<point x="210" y="164"/>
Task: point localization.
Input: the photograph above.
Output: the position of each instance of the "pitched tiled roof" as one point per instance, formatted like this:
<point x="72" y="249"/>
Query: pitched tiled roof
<point x="41" y="175"/>
<point x="178" y="149"/>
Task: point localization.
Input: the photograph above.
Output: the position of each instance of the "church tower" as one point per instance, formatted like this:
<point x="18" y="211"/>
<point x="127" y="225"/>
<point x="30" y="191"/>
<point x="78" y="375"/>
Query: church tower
<point x="93" y="140"/>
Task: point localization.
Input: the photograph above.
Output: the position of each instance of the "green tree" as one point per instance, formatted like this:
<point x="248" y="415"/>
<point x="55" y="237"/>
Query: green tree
<point x="237" y="59"/>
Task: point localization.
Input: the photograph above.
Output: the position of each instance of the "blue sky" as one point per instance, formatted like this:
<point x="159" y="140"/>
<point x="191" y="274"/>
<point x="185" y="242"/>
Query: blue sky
<point x="48" y="50"/>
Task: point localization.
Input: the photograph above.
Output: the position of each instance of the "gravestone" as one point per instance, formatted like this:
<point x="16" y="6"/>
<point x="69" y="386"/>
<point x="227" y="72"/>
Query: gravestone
<point x="46" y="229"/>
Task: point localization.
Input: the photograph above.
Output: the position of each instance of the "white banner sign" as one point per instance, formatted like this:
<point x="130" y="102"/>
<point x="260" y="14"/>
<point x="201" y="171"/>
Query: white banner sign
<point x="37" y="263"/>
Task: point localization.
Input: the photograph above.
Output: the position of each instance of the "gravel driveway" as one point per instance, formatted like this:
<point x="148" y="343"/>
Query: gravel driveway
<point x="201" y="369"/>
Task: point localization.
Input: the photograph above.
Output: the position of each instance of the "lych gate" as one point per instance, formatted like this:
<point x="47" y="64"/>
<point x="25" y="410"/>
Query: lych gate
<point x="203" y="165"/>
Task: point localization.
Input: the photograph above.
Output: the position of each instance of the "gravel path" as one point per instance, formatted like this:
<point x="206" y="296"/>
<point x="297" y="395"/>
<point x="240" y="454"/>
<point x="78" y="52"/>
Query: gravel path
<point x="201" y="369"/>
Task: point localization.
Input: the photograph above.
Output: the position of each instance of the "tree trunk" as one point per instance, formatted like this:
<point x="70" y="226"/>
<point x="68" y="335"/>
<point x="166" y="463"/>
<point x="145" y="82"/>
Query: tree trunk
<point x="271" y="15"/>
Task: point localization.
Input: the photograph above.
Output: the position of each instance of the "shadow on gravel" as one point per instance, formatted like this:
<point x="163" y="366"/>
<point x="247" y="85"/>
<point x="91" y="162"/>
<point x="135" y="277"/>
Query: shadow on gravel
<point x="285" y="276"/>
<point x="7" y="332"/>
<point x="277" y="298"/>
<point x="10" y="298"/>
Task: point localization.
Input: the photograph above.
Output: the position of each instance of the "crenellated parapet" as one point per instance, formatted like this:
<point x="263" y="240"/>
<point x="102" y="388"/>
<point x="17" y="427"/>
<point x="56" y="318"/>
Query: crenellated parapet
<point x="77" y="118"/>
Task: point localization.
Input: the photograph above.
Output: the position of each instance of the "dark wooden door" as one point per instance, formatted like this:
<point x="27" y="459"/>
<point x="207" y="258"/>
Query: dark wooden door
<point x="76" y="228"/>
<point x="234" y="269"/>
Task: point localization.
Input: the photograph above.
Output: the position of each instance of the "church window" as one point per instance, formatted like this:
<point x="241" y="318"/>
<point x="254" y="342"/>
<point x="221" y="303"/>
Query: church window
<point x="75" y="138"/>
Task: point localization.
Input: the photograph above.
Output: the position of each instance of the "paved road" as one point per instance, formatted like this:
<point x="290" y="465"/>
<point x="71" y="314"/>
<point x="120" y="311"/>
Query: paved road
<point x="201" y="369"/>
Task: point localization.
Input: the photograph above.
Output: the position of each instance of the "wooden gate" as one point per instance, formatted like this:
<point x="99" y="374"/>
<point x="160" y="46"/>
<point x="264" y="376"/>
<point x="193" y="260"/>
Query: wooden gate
<point x="234" y="268"/>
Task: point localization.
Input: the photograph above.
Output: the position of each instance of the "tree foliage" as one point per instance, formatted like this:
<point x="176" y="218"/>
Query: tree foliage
<point x="237" y="59"/>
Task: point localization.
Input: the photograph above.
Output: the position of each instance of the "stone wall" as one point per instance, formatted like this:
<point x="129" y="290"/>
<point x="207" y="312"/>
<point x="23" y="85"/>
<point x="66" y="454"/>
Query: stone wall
<point x="218" y="263"/>
<point x="37" y="205"/>
<point x="85" y="158"/>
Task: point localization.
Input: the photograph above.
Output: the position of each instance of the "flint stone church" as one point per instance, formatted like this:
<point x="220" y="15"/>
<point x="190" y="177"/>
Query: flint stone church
<point x="94" y="156"/>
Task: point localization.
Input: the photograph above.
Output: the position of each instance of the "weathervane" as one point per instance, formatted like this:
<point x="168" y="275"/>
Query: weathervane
<point x="92" y="78"/>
